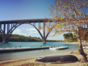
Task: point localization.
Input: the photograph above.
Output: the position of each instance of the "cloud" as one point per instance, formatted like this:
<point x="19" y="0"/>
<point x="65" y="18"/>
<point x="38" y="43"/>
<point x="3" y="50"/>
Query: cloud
<point x="31" y="30"/>
<point x="26" y="32"/>
<point x="18" y="31"/>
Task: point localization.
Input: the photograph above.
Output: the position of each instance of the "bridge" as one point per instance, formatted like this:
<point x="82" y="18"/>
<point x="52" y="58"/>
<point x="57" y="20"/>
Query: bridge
<point x="7" y="27"/>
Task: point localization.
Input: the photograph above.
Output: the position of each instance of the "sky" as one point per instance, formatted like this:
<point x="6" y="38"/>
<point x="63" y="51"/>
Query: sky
<point x="27" y="9"/>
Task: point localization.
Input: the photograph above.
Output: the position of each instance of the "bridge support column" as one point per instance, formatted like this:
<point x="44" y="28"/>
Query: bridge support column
<point x="44" y="38"/>
<point x="5" y="35"/>
<point x="5" y="40"/>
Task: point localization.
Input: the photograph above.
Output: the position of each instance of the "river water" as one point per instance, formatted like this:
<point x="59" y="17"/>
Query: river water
<point x="33" y="53"/>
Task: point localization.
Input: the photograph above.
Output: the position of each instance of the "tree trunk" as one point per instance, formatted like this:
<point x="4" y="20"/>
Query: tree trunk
<point x="81" y="48"/>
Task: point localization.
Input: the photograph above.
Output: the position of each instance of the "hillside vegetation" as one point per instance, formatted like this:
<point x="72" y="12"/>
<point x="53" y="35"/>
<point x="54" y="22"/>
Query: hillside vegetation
<point x="72" y="37"/>
<point x="21" y="38"/>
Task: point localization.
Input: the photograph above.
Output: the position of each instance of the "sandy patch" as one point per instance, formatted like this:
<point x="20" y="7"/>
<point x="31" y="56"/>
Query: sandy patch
<point x="31" y="61"/>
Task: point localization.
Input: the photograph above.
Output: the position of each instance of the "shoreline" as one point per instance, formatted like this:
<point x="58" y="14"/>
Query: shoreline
<point x="71" y="42"/>
<point x="40" y="56"/>
<point x="83" y="43"/>
<point x="9" y="61"/>
<point x="19" y="62"/>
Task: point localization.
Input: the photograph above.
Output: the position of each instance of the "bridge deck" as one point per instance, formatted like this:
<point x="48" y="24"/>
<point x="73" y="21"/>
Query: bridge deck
<point x="35" y="20"/>
<point x="24" y="21"/>
<point x="22" y="49"/>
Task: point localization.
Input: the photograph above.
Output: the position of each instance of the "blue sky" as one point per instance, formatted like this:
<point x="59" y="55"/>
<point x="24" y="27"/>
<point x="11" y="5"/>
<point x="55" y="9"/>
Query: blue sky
<point x="26" y="9"/>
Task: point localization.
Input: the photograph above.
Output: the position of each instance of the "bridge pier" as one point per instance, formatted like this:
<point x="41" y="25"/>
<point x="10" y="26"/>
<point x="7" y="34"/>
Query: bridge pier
<point x="44" y="40"/>
<point x="5" y="40"/>
<point x="4" y="31"/>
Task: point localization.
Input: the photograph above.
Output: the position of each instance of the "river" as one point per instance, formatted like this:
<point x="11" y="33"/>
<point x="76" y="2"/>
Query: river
<point x="33" y="53"/>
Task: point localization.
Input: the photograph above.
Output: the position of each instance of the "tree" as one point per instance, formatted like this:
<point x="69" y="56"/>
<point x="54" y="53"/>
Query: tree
<point x="69" y="37"/>
<point x="69" y="16"/>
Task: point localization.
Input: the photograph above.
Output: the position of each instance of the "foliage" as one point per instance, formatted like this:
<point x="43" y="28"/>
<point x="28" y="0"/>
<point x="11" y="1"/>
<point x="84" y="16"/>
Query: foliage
<point x="86" y="65"/>
<point x="69" y="37"/>
<point x="69" y="16"/>
<point x="21" y="38"/>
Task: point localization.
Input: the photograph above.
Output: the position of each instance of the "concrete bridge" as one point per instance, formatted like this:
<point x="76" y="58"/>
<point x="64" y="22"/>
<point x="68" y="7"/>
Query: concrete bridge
<point x="7" y="27"/>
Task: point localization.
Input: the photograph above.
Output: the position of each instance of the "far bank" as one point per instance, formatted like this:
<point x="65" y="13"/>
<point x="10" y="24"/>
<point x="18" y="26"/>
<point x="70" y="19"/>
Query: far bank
<point x="84" y="43"/>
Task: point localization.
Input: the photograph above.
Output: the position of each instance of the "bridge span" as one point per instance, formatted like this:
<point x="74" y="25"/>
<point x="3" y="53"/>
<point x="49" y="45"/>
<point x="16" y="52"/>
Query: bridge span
<point x="7" y="27"/>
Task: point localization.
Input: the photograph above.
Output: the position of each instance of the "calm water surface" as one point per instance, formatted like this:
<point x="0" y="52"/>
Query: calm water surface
<point x="33" y="53"/>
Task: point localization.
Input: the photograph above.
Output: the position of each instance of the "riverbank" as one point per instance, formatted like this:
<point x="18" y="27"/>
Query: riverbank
<point x="71" y="42"/>
<point x="31" y="61"/>
<point x="84" y="43"/>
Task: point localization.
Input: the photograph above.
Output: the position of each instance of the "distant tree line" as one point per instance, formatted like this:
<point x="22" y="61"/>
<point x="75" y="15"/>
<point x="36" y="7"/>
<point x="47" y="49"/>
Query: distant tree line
<point x="55" y="40"/>
<point x="21" y="38"/>
<point x="71" y="37"/>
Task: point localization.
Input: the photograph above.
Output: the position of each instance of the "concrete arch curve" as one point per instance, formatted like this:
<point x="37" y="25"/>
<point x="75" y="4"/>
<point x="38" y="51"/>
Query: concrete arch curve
<point x="9" y="33"/>
<point x="30" y="24"/>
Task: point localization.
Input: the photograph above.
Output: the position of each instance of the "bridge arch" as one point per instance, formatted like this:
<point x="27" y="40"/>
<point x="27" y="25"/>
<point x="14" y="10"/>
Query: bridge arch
<point x="26" y="23"/>
<point x="10" y="31"/>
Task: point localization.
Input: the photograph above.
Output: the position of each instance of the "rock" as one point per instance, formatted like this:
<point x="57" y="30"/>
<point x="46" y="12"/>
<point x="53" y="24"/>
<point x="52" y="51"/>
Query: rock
<point x="59" y="59"/>
<point x="72" y="52"/>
